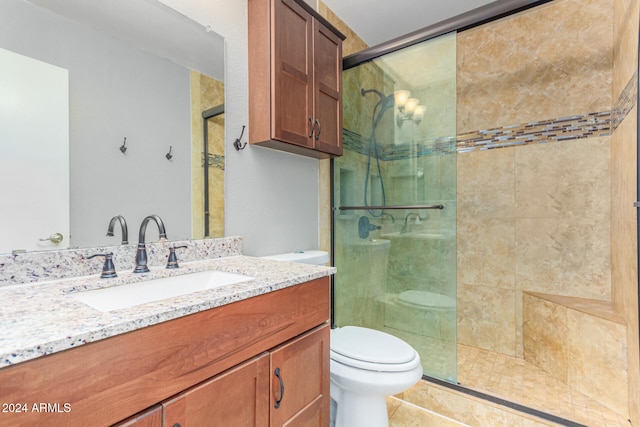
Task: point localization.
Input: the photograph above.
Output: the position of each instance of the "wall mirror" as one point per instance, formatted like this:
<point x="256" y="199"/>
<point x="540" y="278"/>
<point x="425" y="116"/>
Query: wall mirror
<point x="139" y="77"/>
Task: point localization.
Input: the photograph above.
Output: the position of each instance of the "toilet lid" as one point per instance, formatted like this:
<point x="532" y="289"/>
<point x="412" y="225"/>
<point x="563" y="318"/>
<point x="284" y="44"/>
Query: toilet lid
<point x="370" y="346"/>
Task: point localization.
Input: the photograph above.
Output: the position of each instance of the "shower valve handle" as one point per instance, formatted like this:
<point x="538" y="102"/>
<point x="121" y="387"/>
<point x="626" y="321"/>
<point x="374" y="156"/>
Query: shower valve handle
<point x="365" y="227"/>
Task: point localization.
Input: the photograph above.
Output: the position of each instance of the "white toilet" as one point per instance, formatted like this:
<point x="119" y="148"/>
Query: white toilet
<point x="366" y="366"/>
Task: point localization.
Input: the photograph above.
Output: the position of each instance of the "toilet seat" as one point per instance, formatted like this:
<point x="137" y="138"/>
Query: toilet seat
<point x="371" y="350"/>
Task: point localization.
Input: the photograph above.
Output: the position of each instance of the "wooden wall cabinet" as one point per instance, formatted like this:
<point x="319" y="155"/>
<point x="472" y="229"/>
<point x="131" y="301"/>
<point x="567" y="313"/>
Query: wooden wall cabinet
<point x="295" y="79"/>
<point x="213" y="368"/>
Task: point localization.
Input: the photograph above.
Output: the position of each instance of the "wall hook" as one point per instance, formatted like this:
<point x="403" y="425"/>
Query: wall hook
<point x="123" y="148"/>
<point x="169" y="156"/>
<point x="237" y="144"/>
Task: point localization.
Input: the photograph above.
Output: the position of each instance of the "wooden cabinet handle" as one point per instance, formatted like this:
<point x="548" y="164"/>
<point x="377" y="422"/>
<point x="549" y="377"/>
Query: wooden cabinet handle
<point x="279" y="400"/>
<point x="319" y="129"/>
<point x="313" y="126"/>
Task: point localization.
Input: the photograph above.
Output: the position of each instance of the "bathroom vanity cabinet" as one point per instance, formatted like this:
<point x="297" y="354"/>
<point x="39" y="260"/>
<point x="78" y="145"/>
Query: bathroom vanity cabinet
<point x="295" y="79"/>
<point x="224" y="366"/>
<point x="251" y="394"/>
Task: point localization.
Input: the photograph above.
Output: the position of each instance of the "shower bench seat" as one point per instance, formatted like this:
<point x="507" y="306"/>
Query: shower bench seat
<point x="586" y="348"/>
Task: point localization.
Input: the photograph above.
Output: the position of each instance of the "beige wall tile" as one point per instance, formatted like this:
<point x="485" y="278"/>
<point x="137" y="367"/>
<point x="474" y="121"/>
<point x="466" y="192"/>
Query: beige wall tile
<point x="624" y="226"/>
<point x="623" y="170"/>
<point x="625" y="37"/>
<point x="564" y="257"/>
<point x="597" y="352"/>
<point x="540" y="64"/>
<point x="486" y="252"/>
<point x="568" y="179"/>
<point x="536" y="218"/>
<point x="633" y="356"/>
<point x="624" y="267"/>
<point x="486" y="318"/>
<point x="545" y="336"/>
<point x="486" y="184"/>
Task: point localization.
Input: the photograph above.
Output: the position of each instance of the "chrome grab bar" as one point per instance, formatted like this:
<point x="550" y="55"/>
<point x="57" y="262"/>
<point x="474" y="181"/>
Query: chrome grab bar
<point x="375" y="208"/>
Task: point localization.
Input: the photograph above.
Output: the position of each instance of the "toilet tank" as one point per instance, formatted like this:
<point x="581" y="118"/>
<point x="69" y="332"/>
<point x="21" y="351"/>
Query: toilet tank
<point x="313" y="256"/>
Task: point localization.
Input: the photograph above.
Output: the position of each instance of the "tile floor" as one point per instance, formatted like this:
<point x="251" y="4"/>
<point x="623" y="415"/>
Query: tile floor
<point x="519" y="381"/>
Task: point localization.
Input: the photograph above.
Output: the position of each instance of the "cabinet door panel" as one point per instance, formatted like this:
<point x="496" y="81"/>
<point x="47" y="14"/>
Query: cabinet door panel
<point x="150" y="418"/>
<point x="293" y="76"/>
<point x="303" y="365"/>
<point x="327" y="90"/>
<point x="238" y="397"/>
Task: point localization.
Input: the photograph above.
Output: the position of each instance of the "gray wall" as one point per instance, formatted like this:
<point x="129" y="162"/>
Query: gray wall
<point x="271" y="198"/>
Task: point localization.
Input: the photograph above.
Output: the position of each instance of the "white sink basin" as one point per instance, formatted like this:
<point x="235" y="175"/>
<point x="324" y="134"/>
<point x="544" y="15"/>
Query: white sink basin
<point x="133" y="294"/>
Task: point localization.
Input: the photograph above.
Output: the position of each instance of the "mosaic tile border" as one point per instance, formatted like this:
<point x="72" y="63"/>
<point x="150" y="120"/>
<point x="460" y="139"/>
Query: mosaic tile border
<point x="597" y="124"/>
<point x="626" y="101"/>
<point x="213" y="161"/>
<point x="552" y="130"/>
<point x="353" y="141"/>
<point x="540" y="132"/>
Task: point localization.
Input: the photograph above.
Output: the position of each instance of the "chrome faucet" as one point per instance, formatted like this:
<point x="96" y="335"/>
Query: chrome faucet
<point x="141" y="253"/>
<point x="405" y="228"/>
<point x="123" y="227"/>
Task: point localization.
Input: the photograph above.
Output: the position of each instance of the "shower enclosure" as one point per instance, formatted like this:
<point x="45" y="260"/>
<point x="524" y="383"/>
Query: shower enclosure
<point x="484" y="207"/>
<point x="395" y="201"/>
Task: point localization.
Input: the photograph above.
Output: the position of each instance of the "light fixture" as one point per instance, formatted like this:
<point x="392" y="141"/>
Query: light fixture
<point x="411" y="105"/>
<point x="418" y="113"/>
<point x="408" y="108"/>
<point x="401" y="97"/>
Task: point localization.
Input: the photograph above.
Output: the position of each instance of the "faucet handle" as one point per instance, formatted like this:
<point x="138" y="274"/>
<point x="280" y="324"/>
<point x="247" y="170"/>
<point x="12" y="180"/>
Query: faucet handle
<point x="108" y="269"/>
<point x="172" y="262"/>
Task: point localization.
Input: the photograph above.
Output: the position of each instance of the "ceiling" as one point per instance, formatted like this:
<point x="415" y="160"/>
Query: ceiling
<point x="377" y="21"/>
<point x="163" y="31"/>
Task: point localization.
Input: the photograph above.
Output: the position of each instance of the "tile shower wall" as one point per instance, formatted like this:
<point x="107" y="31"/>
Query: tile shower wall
<point x="623" y="215"/>
<point x="541" y="64"/>
<point x="533" y="216"/>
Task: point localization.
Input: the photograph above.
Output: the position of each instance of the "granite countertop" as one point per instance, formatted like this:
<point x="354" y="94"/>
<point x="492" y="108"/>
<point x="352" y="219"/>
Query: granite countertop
<point x="42" y="318"/>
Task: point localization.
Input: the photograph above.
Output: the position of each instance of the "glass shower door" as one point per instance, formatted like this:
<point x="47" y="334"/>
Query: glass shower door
<point x="394" y="219"/>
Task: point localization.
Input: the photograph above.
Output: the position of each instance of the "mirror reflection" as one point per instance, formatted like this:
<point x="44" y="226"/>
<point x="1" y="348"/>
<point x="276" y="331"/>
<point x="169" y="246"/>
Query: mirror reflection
<point x="101" y="117"/>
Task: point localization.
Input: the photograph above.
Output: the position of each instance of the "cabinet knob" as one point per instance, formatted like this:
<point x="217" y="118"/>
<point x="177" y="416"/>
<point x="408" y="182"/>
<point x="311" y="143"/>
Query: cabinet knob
<point x="319" y="129"/>
<point x="176" y="425"/>
<point x="313" y="126"/>
<point x="279" y="400"/>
